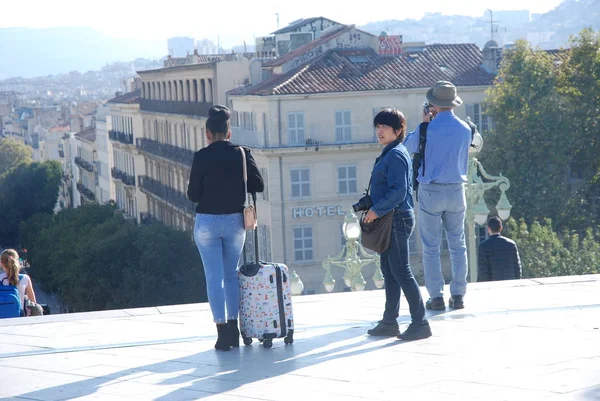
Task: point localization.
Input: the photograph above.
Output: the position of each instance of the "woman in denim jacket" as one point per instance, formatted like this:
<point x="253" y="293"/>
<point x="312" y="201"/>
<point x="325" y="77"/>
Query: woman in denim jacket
<point x="391" y="192"/>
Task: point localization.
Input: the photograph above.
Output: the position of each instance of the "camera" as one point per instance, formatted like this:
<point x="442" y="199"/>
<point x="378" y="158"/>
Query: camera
<point x="427" y="109"/>
<point x="363" y="204"/>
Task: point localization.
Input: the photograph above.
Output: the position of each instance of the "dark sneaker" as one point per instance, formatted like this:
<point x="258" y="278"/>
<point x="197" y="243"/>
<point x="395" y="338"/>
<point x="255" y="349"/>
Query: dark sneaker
<point x="436" y="303"/>
<point x="456" y="302"/>
<point x="384" y="329"/>
<point x="416" y="331"/>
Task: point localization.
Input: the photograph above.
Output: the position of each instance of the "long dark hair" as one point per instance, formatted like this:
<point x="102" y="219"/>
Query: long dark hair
<point x="218" y="120"/>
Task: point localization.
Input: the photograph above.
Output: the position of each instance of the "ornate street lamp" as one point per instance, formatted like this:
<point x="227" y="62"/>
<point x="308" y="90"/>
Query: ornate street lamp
<point x="352" y="258"/>
<point x="296" y="284"/>
<point x="477" y="210"/>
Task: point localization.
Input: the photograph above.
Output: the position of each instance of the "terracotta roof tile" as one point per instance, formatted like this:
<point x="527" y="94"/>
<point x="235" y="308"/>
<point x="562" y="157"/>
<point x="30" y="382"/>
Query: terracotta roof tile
<point x="365" y="70"/>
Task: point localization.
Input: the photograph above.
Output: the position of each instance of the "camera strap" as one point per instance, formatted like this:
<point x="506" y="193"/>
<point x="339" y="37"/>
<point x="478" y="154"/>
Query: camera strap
<point x="380" y="158"/>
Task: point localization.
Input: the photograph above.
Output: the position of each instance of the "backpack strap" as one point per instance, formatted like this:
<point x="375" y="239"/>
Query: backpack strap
<point x="419" y="157"/>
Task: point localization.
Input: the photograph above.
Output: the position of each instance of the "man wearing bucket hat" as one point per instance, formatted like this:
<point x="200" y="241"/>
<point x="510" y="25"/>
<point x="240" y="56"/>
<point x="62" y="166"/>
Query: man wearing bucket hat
<point x="441" y="193"/>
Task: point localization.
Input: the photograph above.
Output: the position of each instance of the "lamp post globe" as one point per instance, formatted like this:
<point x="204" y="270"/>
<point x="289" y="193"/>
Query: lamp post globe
<point x="351" y="226"/>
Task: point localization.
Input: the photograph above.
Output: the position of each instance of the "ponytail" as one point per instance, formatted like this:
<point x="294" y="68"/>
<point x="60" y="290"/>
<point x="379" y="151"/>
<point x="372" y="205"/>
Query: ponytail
<point x="9" y="260"/>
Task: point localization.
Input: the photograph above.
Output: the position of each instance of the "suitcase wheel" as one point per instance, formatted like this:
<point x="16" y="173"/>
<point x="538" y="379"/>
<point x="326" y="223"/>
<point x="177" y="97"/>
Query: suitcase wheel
<point x="268" y="343"/>
<point x="247" y="341"/>
<point x="288" y="340"/>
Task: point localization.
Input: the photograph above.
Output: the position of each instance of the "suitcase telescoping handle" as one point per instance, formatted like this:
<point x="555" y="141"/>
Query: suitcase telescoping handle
<point x="253" y="194"/>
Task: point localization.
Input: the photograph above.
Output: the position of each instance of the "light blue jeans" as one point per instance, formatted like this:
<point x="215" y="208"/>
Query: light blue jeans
<point x="443" y="205"/>
<point x="220" y="240"/>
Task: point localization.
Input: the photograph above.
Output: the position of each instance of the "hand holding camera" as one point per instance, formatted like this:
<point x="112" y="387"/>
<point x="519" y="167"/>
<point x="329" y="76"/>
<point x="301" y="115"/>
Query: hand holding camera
<point x="428" y="112"/>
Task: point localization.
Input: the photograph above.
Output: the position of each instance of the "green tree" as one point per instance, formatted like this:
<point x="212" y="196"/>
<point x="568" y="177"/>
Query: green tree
<point x="580" y="88"/>
<point x="544" y="253"/>
<point x="545" y="106"/>
<point x="94" y="260"/>
<point x="26" y="190"/>
<point x="527" y="143"/>
<point x="12" y="153"/>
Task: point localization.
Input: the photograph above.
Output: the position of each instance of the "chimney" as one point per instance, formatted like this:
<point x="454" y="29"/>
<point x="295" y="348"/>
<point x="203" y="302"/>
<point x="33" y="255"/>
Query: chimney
<point x="492" y="55"/>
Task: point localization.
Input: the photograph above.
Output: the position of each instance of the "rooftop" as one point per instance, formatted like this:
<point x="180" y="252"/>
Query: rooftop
<point x="299" y="23"/>
<point x="89" y="134"/>
<point x="127" y="98"/>
<point x="536" y="339"/>
<point x="351" y="70"/>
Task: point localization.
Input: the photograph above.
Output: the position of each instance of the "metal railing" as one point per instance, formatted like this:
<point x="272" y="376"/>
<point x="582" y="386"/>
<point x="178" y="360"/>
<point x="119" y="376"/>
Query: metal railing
<point x="124" y="138"/>
<point x="174" y="153"/>
<point x="84" y="164"/>
<point x="123" y="176"/>
<point x="166" y="193"/>
<point x="86" y="192"/>
<point x="147" y="218"/>
<point x="199" y="109"/>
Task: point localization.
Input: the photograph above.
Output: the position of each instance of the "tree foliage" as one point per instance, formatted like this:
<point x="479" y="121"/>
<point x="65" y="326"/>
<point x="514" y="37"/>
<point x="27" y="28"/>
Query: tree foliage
<point x="13" y="153"/>
<point x="26" y="190"/>
<point x="95" y="260"/>
<point x="545" y="253"/>
<point x="545" y="108"/>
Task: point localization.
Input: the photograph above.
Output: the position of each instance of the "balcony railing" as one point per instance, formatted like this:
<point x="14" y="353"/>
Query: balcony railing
<point x="86" y="192"/>
<point x="199" y="109"/>
<point x="123" y="176"/>
<point x="84" y="164"/>
<point x="244" y="137"/>
<point x="147" y="218"/>
<point x="124" y="138"/>
<point x="169" y="195"/>
<point x="179" y="155"/>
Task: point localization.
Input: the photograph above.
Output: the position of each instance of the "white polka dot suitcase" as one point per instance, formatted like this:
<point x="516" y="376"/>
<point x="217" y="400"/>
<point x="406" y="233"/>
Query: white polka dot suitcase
<point x="265" y="301"/>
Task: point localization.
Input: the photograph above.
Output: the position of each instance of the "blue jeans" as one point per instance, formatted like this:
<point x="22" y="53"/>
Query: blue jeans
<point x="220" y="240"/>
<point x="443" y="205"/>
<point x="395" y="266"/>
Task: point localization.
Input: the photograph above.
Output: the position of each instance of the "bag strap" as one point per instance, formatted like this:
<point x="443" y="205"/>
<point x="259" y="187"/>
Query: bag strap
<point x="244" y="167"/>
<point x="255" y="230"/>
<point x="380" y="158"/>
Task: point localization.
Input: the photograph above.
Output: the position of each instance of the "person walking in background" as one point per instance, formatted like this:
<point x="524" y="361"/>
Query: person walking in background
<point x="217" y="185"/>
<point x="391" y="192"/>
<point x="498" y="257"/>
<point x="9" y="260"/>
<point x="441" y="193"/>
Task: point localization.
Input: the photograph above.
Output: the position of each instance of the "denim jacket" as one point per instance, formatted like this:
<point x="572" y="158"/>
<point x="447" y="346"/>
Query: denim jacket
<point x="391" y="180"/>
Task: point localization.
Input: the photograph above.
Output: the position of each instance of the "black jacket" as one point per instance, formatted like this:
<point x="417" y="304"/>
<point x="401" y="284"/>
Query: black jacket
<point x="498" y="259"/>
<point x="217" y="178"/>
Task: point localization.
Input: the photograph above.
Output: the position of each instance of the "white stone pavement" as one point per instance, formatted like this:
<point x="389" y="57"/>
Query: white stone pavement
<point x="519" y="340"/>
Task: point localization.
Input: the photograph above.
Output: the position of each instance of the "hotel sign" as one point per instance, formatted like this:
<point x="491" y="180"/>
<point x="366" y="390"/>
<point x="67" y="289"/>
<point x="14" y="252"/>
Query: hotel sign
<point x="317" y="211"/>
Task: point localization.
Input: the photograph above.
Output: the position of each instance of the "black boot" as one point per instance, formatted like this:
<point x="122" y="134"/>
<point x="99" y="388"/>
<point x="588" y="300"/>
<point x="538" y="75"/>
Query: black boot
<point x="234" y="333"/>
<point x="223" y="337"/>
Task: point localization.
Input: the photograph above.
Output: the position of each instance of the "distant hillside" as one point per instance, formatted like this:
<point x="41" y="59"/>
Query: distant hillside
<point x="28" y="52"/>
<point x="549" y="31"/>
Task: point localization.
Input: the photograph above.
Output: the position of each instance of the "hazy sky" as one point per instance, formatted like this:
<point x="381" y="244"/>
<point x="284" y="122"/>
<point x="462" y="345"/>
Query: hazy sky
<point x="232" y="20"/>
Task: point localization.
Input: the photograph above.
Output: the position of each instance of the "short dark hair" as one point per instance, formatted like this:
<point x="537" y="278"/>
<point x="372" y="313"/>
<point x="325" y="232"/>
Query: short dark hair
<point x="495" y="224"/>
<point x="392" y="117"/>
<point x="218" y="120"/>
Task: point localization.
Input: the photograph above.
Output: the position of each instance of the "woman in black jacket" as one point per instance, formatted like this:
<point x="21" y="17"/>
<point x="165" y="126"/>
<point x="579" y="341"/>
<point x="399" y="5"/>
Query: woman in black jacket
<point x="217" y="185"/>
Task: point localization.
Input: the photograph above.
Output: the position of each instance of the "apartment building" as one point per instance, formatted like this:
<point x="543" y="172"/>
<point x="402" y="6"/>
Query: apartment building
<point x="308" y="116"/>
<point x="126" y="162"/>
<point x="85" y="173"/>
<point x="174" y="103"/>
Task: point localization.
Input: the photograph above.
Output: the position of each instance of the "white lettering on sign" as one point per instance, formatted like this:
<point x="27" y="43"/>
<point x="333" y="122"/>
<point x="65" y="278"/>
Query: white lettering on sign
<point x="319" y="211"/>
